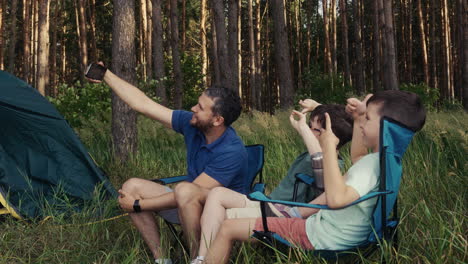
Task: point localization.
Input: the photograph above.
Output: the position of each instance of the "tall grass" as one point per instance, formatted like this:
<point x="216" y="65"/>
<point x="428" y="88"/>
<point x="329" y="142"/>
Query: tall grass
<point x="432" y="201"/>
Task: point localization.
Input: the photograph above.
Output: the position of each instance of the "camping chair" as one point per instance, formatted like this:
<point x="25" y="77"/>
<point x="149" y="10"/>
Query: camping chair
<point x="255" y="154"/>
<point x="394" y="139"/>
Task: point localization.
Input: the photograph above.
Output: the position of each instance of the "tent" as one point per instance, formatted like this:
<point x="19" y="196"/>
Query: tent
<point x="44" y="167"/>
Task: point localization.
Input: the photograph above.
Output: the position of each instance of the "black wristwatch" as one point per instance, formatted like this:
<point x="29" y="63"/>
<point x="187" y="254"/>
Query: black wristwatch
<point x="136" y="206"/>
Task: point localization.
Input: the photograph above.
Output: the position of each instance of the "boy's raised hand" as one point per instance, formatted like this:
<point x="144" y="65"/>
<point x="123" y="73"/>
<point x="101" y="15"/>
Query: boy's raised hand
<point x="299" y="124"/>
<point x="308" y="105"/>
<point x="327" y="138"/>
<point x="356" y="107"/>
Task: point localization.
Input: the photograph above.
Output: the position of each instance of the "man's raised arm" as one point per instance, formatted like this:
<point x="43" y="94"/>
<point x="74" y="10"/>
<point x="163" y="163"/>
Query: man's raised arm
<point x="137" y="100"/>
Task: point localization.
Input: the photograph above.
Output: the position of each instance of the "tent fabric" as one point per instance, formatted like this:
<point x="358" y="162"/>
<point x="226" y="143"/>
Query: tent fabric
<point x="43" y="164"/>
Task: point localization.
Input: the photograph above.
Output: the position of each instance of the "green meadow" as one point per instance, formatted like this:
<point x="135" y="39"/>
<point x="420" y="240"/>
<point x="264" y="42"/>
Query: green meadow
<point x="432" y="202"/>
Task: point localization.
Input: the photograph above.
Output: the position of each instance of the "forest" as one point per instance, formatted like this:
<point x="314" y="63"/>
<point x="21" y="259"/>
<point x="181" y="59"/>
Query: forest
<point x="272" y="53"/>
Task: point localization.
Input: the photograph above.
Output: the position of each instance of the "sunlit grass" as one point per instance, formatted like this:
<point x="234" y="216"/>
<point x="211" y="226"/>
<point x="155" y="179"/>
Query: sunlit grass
<point x="433" y="198"/>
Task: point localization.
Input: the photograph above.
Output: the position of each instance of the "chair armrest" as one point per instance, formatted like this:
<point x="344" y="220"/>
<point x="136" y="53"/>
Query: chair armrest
<point x="169" y="180"/>
<point x="307" y="179"/>
<point x="258" y="196"/>
<point x="259" y="187"/>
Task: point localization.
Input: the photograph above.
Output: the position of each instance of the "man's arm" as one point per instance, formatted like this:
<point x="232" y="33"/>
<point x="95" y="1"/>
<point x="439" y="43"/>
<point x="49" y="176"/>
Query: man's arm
<point x="205" y="181"/>
<point x="357" y="109"/>
<point x="303" y="129"/>
<point x="137" y="100"/>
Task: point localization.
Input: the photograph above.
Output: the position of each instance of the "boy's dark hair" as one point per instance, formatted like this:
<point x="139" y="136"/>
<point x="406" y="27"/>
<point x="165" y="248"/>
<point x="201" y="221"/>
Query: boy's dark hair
<point x="226" y="103"/>
<point x="402" y="106"/>
<point x="342" y="122"/>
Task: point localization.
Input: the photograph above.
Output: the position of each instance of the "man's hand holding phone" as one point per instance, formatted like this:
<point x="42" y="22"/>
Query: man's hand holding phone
<point x="95" y="72"/>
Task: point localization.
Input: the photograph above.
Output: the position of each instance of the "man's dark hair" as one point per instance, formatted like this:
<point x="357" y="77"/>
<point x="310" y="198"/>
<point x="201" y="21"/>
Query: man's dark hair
<point x="402" y="106"/>
<point x="226" y="103"/>
<point x="342" y="122"/>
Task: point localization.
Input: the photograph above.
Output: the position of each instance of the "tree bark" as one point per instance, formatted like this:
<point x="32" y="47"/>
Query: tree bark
<point x="252" y="64"/>
<point x="204" y="56"/>
<point x="13" y="30"/>
<point x="344" y="21"/>
<point x="124" y="119"/>
<point x="53" y="49"/>
<point x="464" y="10"/>
<point x="216" y="79"/>
<point x="390" y="52"/>
<point x="333" y="31"/>
<point x="258" y="56"/>
<point x="184" y="23"/>
<point x="422" y="29"/>
<point x="178" y="77"/>
<point x="92" y="17"/>
<point x="326" y="30"/>
<point x="359" y="75"/>
<point x="2" y="23"/>
<point x="226" y="74"/>
<point x="26" y="40"/>
<point x="446" y="53"/>
<point x="158" y="52"/>
<point x="149" y="40"/>
<point x="376" y="43"/>
<point x="83" y="38"/>
<point x="44" y="45"/>
<point x="233" y="43"/>
<point x="282" y="57"/>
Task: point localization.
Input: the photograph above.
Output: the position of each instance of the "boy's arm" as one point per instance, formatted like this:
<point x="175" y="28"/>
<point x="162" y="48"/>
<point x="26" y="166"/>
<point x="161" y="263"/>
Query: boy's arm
<point x="137" y="100"/>
<point x="306" y="212"/>
<point x="337" y="193"/>
<point x="303" y="129"/>
<point x="357" y="109"/>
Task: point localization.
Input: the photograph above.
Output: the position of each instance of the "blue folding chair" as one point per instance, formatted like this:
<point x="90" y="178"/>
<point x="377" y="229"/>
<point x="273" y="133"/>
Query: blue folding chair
<point x="255" y="155"/>
<point x="394" y="140"/>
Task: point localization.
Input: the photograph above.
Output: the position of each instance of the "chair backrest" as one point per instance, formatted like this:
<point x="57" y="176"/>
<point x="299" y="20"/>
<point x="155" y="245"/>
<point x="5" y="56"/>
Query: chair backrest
<point x="256" y="159"/>
<point x="394" y="140"/>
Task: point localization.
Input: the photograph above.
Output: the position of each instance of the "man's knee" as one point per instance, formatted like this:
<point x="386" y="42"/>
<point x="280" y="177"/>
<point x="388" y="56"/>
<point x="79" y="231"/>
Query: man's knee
<point x="187" y="193"/>
<point x="132" y="185"/>
<point x="216" y="193"/>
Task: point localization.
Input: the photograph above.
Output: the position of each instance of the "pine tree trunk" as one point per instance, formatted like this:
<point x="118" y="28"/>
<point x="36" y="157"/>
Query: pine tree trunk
<point x="184" y="22"/>
<point x="252" y="64"/>
<point x="390" y="52"/>
<point x="124" y="119"/>
<point x="204" y="56"/>
<point x="44" y="45"/>
<point x="333" y="31"/>
<point x="216" y="79"/>
<point x="53" y="49"/>
<point x="446" y="53"/>
<point x="258" y="57"/>
<point x="63" y="49"/>
<point x="158" y="52"/>
<point x="178" y="77"/>
<point x="344" y="21"/>
<point x="26" y="40"/>
<point x="376" y="43"/>
<point x="464" y="46"/>
<point x="434" y="60"/>
<point x="233" y="43"/>
<point x="149" y="40"/>
<point x="226" y="74"/>
<point x="2" y="25"/>
<point x="326" y="30"/>
<point x="34" y="41"/>
<point x="422" y="29"/>
<point x="83" y="38"/>
<point x="409" y="44"/>
<point x="92" y="25"/>
<point x="359" y="75"/>
<point x="282" y="57"/>
<point x="12" y="37"/>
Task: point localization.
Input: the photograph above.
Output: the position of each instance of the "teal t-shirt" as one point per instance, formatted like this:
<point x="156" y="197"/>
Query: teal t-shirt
<point x="305" y="193"/>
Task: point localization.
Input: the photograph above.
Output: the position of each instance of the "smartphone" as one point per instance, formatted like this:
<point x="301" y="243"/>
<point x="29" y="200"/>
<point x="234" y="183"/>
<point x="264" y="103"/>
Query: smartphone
<point x="95" y="71"/>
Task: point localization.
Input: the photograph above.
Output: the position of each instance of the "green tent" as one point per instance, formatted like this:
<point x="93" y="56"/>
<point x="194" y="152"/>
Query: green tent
<point x="44" y="167"/>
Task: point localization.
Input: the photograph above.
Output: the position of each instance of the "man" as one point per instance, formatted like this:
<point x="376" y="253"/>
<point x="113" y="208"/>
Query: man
<point x="216" y="156"/>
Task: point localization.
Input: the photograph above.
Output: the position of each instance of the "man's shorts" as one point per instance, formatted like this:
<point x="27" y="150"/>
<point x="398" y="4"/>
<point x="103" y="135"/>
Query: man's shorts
<point x="171" y="215"/>
<point x="251" y="210"/>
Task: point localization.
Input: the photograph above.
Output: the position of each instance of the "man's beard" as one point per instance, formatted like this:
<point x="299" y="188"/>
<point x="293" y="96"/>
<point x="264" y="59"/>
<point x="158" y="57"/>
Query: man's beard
<point x="202" y="126"/>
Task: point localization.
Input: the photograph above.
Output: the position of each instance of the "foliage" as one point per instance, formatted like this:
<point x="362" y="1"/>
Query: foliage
<point x="323" y="87"/>
<point x="79" y="103"/>
<point x="432" y="197"/>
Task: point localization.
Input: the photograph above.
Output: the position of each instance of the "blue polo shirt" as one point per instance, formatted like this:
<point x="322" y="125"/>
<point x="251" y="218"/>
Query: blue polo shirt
<point x="224" y="160"/>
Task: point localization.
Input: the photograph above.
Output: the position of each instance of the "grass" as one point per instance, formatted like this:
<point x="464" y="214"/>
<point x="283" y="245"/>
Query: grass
<point x="432" y="202"/>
